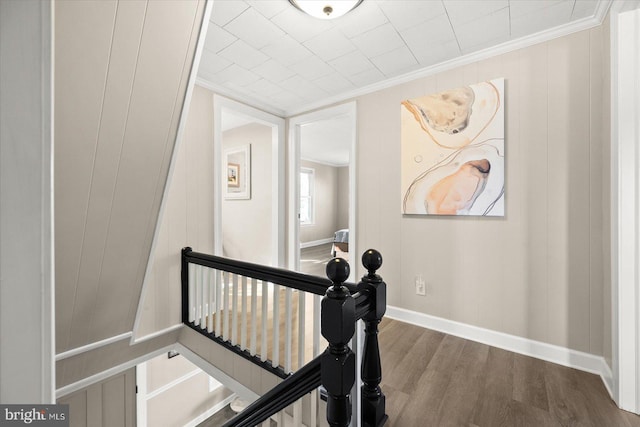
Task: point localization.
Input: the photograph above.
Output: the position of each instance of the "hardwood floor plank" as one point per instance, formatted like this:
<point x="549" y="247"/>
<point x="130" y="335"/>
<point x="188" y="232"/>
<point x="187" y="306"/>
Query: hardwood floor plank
<point x="465" y="387"/>
<point x="529" y="385"/>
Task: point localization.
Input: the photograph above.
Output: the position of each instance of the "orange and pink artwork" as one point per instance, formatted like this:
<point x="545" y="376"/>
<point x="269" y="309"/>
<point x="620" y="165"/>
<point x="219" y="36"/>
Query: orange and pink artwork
<point x="453" y="151"/>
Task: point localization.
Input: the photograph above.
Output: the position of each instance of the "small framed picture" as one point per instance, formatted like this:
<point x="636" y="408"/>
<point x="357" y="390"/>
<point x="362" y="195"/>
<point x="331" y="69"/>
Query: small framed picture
<point x="237" y="170"/>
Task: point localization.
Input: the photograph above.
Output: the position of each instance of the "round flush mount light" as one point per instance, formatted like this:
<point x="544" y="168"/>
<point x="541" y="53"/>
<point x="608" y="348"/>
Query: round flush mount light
<point x="325" y="9"/>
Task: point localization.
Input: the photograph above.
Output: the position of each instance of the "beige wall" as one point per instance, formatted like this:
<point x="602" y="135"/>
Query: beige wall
<point x="537" y="272"/>
<point x="326" y="203"/>
<point x="246" y="224"/>
<point x="187" y="219"/>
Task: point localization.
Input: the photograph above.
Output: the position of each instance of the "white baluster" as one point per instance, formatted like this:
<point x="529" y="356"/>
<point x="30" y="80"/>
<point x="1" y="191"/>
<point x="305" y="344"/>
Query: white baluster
<point x="218" y="285"/>
<point x="192" y="293"/>
<point x="254" y="316"/>
<point x="203" y="298"/>
<point x="243" y="328"/>
<point x="265" y="300"/>
<point x="234" y="310"/>
<point x="287" y="330"/>
<point x="276" y="326"/>
<point x="198" y="292"/>
<point x="301" y="327"/>
<point x="212" y="297"/>
<point x="225" y="305"/>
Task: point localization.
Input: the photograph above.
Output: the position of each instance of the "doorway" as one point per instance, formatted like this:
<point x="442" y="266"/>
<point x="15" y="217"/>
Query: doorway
<point x="322" y="188"/>
<point x="249" y="181"/>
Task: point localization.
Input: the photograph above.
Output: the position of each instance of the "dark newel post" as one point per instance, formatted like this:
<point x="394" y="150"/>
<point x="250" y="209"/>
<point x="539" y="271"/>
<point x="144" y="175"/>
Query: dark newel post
<point x="184" y="274"/>
<point x="338" y="365"/>
<point x="373" y="400"/>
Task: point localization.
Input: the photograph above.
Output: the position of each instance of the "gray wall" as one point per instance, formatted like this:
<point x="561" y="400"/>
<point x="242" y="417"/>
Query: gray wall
<point x="326" y="200"/>
<point x="26" y="197"/>
<point x="246" y="224"/>
<point x="539" y="271"/>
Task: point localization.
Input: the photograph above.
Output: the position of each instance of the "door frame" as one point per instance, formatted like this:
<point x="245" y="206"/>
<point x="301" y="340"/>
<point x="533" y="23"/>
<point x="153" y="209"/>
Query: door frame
<point x="295" y="125"/>
<point x="223" y="105"/>
<point x="625" y="205"/>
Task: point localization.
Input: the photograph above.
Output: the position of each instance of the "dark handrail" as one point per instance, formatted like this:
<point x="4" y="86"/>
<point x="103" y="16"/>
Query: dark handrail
<point x="284" y="394"/>
<point x="291" y="279"/>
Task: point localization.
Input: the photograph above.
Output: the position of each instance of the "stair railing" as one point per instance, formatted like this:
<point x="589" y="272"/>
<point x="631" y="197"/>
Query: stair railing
<point x="342" y="306"/>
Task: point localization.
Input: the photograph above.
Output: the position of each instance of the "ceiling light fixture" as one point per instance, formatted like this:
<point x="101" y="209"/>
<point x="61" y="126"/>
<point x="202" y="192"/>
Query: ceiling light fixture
<point x="326" y="9"/>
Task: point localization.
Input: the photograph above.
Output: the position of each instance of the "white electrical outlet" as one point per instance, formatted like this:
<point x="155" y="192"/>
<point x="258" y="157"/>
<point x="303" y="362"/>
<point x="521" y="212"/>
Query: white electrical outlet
<point x="421" y="289"/>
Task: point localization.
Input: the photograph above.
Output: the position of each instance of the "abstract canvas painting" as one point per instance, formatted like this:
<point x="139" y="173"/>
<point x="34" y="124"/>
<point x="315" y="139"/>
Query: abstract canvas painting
<point x="452" y="155"/>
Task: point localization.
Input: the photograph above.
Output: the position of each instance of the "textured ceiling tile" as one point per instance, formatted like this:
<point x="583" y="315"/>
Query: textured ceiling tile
<point x="463" y="11"/>
<point x="396" y="62"/>
<point x="524" y="7"/>
<point x="212" y="63"/>
<point x="406" y="14"/>
<point x="243" y="55"/>
<point x="334" y="83"/>
<point x="300" y="26"/>
<point x="584" y="8"/>
<point x="273" y="71"/>
<point x="541" y="19"/>
<point x="264" y="87"/>
<point x="330" y="45"/>
<point x="217" y="38"/>
<point x="237" y="75"/>
<point x="224" y="11"/>
<point x="494" y="27"/>
<point x="428" y="34"/>
<point x="351" y="63"/>
<point x="254" y="29"/>
<point x="380" y="40"/>
<point x="269" y="8"/>
<point x="311" y="68"/>
<point x="438" y="53"/>
<point x="287" y="51"/>
<point x="364" y="18"/>
<point x="367" y="77"/>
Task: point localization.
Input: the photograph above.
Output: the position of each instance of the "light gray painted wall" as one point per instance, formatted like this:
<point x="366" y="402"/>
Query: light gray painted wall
<point x="326" y="203"/>
<point x="538" y="272"/>
<point x="26" y="203"/>
<point x="187" y="219"/>
<point x="246" y="224"/>
<point x="121" y="72"/>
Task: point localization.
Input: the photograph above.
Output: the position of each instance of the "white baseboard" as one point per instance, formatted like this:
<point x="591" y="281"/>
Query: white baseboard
<point x="316" y="243"/>
<point x="551" y="353"/>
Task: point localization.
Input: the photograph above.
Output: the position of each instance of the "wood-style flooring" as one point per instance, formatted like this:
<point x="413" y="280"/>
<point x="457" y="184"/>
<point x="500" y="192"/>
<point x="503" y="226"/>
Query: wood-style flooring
<point x="438" y="380"/>
<point x="434" y="379"/>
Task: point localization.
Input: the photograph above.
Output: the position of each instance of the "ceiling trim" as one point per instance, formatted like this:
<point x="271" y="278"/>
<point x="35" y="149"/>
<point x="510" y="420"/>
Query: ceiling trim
<point x="540" y="37"/>
<point x="252" y="102"/>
